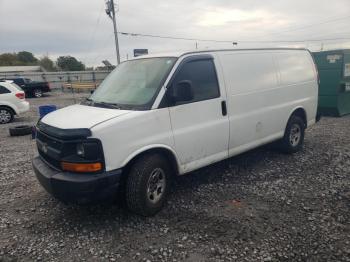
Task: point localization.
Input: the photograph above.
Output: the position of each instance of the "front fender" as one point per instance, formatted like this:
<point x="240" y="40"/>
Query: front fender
<point x="149" y="148"/>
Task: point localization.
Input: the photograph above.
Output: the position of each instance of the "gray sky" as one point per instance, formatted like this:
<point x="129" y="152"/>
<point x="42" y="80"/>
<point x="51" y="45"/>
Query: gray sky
<point x="82" y="29"/>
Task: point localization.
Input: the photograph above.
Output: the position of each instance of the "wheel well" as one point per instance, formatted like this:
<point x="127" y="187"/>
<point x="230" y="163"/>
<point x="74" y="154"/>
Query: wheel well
<point x="300" y="112"/>
<point x="9" y="108"/>
<point x="163" y="151"/>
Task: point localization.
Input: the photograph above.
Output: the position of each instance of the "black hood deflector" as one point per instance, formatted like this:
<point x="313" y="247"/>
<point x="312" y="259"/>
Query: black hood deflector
<point x="64" y="134"/>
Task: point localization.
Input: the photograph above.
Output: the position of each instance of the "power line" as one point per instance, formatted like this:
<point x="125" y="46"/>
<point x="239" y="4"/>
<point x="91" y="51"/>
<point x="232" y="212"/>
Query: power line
<point x="297" y="41"/>
<point x="93" y="33"/>
<point x="230" y="41"/>
<point x="99" y="54"/>
<point x="334" y="34"/>
<point x="248" y="41"/>
<point x="310" y="25"/>
<point x="176" y="38"/>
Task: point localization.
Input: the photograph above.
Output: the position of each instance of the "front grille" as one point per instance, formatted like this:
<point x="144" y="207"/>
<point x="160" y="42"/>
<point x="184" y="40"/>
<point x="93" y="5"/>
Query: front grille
<point x="50" y="141"/>
<point x="56" y="145"/>
<point x="49" y="149"/>
<point x="52" y="162"/>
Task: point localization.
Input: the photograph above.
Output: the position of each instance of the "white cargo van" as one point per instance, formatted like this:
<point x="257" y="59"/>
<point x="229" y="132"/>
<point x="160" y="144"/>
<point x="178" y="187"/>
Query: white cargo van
<point x="156" y="117"/>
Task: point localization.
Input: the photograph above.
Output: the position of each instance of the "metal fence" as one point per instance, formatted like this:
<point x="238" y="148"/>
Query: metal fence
<point x="58" y="79"/>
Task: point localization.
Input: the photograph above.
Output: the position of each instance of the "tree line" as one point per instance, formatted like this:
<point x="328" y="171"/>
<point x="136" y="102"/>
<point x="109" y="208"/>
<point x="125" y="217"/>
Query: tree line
<point x="25" y="58"/>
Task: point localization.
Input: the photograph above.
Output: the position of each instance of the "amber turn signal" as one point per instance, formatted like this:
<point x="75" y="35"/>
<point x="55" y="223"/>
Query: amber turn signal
<point x="81" y="167"/>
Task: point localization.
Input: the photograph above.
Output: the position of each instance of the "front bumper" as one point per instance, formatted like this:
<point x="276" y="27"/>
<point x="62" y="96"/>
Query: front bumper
<point x="76" y="188"/>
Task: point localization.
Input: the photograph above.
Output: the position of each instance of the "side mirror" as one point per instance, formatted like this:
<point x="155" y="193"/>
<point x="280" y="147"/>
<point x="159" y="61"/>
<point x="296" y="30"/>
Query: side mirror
<point x="183" y="91"/>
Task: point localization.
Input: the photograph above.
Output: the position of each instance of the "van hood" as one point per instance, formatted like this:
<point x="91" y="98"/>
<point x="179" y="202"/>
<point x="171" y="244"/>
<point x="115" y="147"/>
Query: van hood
<point x="81" y="116"/>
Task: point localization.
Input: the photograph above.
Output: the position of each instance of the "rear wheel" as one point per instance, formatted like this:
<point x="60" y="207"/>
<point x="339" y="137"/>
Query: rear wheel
<point x="6" y="115"/>
<point x="148" y="185"/>
<point x="294" y="135"/>
<point x="37" y="93"/>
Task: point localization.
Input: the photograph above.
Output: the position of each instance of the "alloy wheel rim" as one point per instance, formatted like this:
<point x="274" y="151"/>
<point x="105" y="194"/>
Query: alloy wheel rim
<point x="37" y="93"/>
<point x="295" y="135"/>
<point x="156" y="185"/>
<point x="5" y="116"/>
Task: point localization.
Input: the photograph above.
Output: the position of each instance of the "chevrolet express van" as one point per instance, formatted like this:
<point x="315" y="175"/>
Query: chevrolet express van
<point x="156" y="117"/>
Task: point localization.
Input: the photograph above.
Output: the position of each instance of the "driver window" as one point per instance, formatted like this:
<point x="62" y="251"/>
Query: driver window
<point x="202" y="74"/>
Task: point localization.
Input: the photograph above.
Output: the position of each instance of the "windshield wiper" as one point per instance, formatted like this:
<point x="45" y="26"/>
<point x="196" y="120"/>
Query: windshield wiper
<point x="107" y="105"/>
<point x="92" y="102"/>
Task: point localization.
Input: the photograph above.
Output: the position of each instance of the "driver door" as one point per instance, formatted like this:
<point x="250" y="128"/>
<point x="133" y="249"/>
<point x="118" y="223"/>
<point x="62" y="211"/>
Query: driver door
<point x="200" y="126"/>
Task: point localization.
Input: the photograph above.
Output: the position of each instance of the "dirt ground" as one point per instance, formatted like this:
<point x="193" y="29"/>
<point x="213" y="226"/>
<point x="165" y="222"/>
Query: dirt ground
<point x="260" y="206"/>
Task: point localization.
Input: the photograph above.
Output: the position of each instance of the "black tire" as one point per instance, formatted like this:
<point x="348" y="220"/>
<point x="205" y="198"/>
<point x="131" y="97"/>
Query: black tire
<point x="293" y="139"/>
<point x="20" y="130"/>
<point x="141" y="178"/>
<point x="6" y="115"/>
<point x="37" y="93"/>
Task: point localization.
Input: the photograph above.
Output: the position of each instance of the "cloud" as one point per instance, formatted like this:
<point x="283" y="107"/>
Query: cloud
<point x="226" y="17"/>
<point x="82" y="29"/>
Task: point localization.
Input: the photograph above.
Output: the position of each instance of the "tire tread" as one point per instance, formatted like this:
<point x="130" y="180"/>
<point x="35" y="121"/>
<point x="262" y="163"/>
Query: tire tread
<point x="9" y="110"/>
<point x="20" y="130"/>
<point x="136" y="180"/>
<point x="285" y="145"/>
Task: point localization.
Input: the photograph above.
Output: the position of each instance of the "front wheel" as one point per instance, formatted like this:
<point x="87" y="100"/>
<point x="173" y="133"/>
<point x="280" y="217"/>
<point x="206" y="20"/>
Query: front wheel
<point x="148" y="185"/>
<point x="293" y="139"/>
<point x="37" y="93"/>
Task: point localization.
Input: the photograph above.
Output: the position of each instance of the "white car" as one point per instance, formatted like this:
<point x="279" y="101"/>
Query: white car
<point x="12" y="101"/>
<point x="159" y="116"/>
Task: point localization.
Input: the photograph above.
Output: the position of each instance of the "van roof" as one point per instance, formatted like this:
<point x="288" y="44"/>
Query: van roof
<point x="182" y="53"/>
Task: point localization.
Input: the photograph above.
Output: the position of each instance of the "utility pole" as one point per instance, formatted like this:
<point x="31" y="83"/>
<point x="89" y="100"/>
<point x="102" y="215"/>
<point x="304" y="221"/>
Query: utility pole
<point x="110" y="11"/>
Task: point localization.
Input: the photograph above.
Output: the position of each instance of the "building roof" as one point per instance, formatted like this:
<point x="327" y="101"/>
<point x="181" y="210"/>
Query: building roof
<point x="17" y="69"/>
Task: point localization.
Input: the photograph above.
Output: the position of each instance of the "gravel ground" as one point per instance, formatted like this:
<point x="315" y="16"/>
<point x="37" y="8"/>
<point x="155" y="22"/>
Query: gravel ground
<point x="260" y="206"/>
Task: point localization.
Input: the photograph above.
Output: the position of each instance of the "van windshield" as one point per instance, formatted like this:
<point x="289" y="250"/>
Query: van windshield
<point x="133" y="84"/>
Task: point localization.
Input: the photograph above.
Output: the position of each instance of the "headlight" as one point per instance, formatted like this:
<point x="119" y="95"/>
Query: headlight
<point x="83" y="156"/>
<point x="80" y="150"/>
<point x="88" y="150"/>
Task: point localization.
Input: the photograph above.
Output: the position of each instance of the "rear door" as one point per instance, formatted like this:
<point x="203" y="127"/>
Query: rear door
<point x="201" y="126"/>
<point x="7" y="96"/>
<point x="5" y="93"/>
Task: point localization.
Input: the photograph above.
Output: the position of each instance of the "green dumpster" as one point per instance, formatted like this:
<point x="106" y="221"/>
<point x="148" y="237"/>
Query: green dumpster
<point x="334" y="71"/>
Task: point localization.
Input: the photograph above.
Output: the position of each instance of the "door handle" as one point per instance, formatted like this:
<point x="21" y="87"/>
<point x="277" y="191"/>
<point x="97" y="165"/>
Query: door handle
<point x="223" y="108"/>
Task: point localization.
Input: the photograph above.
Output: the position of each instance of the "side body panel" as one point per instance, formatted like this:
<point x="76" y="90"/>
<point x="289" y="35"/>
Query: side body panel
<point x="262" y="93"/>
<point x="298" y="76"/>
